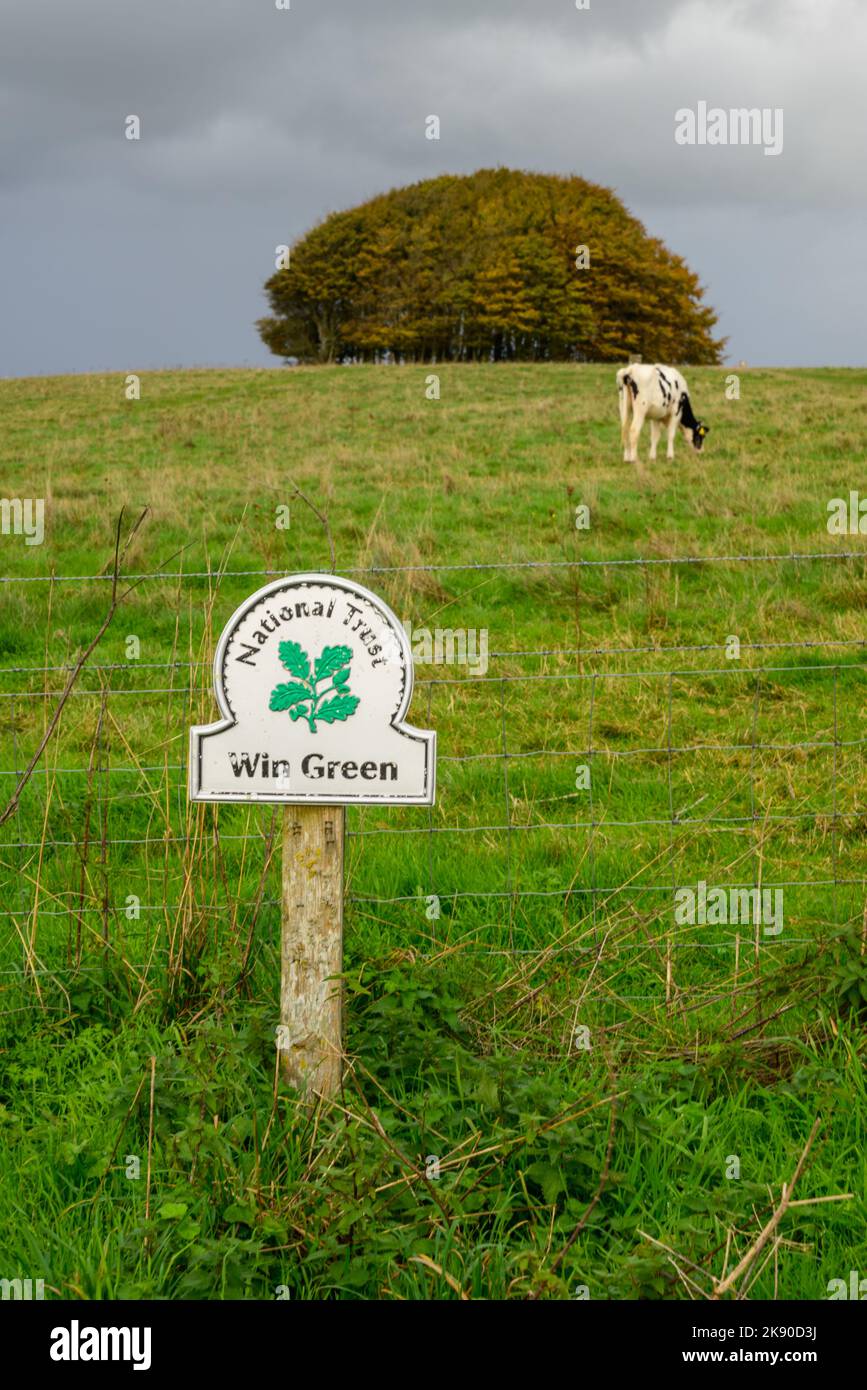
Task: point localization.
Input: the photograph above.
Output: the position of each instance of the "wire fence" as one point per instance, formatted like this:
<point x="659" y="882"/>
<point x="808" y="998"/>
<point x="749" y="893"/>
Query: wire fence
<point x="112" y="858"/>
<point x="607" y="563"/>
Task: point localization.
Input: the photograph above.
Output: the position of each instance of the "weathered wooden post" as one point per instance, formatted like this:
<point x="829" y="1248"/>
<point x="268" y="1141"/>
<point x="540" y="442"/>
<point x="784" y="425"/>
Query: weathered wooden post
<point x="311" y="952"/>
<point x="313" y="677"/>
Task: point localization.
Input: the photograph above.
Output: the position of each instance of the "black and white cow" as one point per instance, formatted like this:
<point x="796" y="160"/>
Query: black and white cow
<point x="660" y="395"/>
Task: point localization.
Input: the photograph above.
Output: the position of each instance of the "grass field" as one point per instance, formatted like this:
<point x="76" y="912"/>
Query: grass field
<point x="146" y="1146"/>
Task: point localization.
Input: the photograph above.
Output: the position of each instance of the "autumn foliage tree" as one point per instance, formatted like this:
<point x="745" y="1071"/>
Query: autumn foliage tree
<point x="487" y="267"/>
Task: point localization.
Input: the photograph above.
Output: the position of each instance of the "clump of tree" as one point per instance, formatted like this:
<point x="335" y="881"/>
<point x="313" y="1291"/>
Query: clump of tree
<point x="487" y="267"/>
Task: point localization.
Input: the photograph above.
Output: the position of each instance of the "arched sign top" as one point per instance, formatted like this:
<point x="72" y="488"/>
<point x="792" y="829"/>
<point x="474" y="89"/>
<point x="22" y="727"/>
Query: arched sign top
<point x="313" y="678"/>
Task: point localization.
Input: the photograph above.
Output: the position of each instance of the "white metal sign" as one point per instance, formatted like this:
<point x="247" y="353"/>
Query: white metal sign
<point x="313" y="676"/>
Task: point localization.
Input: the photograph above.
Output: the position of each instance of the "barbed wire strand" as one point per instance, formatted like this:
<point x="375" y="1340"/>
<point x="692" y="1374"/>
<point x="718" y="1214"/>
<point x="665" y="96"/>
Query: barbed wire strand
<point x="635" y="560"/>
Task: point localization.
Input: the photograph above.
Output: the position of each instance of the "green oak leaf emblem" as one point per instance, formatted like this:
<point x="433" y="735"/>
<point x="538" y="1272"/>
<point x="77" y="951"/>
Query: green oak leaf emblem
<point x="302" y="697"/>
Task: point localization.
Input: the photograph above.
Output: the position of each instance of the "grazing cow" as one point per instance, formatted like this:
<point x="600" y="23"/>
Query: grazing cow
<point x="660" y="395"/>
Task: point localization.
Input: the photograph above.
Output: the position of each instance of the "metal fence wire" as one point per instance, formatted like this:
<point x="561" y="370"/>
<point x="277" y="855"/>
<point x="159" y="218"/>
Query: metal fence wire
<point x="563" y="829"/>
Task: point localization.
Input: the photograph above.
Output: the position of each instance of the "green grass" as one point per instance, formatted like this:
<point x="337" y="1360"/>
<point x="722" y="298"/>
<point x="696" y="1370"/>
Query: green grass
<point x="555" y="904"/>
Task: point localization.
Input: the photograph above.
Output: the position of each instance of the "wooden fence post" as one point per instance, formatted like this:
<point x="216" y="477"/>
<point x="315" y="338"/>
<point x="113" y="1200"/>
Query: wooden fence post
<point x="311" y="954"/>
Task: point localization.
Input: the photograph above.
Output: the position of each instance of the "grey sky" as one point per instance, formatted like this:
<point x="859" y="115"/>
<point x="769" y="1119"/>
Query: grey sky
<point x="257" y="122"/>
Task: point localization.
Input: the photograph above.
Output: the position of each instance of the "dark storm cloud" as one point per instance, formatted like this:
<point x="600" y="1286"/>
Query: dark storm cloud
<point x="257" y="122"/>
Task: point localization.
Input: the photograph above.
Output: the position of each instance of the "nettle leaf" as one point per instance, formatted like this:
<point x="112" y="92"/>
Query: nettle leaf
<point x="339" y="708"/>
<point x="549" y="1178"/>
<point x="341" y="677"/>
<point x="172" y="1211"/>
<point x="331" y="660"/>
<point x="240" y="1212"/>
<point x="295" y="659"/>
<point x="285" y="696"/>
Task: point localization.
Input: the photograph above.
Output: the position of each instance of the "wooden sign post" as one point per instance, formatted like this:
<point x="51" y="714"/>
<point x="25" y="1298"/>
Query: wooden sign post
<point x="311" y="952"/>
<point x="313" y="677"/>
